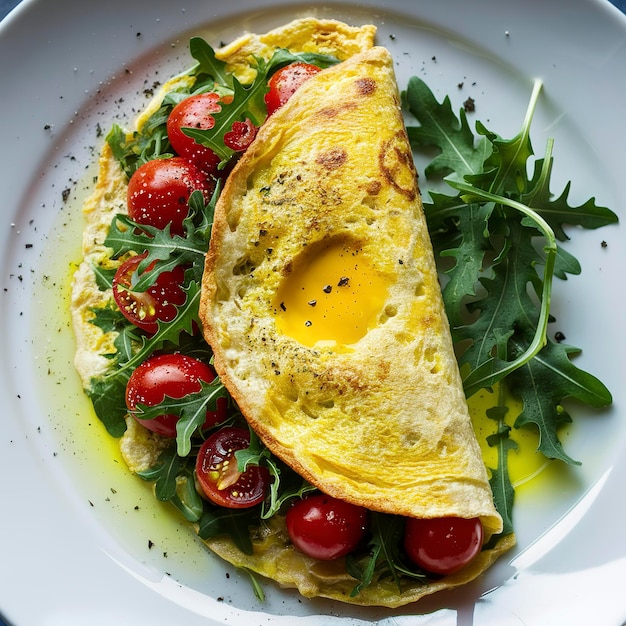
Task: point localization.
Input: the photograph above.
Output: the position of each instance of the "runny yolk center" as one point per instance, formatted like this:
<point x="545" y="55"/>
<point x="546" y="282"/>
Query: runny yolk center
<point x="332" y="295"/>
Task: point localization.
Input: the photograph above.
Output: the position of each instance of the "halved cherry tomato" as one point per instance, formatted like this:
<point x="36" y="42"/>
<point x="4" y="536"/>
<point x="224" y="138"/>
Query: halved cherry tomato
<point x="218" y="476"/>
<point x="173" y="375"/>
<point x="285" y="82"/>
<point x="194" y="112"/>
<point x="159" y="190"/>
<point x="443" y="545"/>
<point x="326" y="528"/>
<point x="145" y="308"/>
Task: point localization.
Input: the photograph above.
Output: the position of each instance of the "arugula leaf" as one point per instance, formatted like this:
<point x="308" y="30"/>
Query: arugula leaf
<point x="108" y="319"/>
<point x="125" y="342"/>
<point x="125" y="235"/>
<point x="234" y="523"/>
<point x="504" y="170"/>
<point x="247" y="103"/>
<point x="199" y="223"/>
<point x="186" y="499"/>
<point x="132" y="150"/>
<point x="440" y="128"/>
<point x="558" y="212"/>
<point x="163" y="251"/>
<point x="254" y="454"/>
<point x="543" y="383"/>
<point x="108" y="399"/>
<point x="508" y="307"/>
<point x="207" y="63"/>
<point x="500" y="481"/>
<point x="384" y="559"/>
<point x="285" y="484"/>
<point x="104" y="276"/>
<point x="469" y="253"/>
<point x="164" y="474"/>
<point x="174" y="483"/>
<point x="191" y="409"/>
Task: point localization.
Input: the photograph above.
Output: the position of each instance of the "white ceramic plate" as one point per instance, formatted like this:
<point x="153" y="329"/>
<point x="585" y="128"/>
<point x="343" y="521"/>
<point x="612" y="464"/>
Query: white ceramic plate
<point x="81" y="541"/>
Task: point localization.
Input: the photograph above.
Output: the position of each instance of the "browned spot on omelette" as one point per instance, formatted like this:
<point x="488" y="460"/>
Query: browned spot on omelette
<point x="365" y="86"/>
<point x="332" y="159"/>
<point x="396" y="165"/>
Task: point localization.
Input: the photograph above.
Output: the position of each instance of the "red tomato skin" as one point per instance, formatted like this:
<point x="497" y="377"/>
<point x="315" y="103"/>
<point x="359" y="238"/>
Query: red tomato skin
<point x="241" y="135"/>
<point x="285" y="82"/>
<point x="444" y="545"/>
<point x="174" y="375"/>
<point x="194" y="112"/>
<point x="326" y="528"/>
<point x="216" y="457"/>
<point x="159" y="190"/>
<point x="158" y="302"/>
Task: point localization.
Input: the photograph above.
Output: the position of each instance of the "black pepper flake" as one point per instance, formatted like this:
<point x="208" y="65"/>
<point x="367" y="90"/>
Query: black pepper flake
<point x="150" y="544"/>
<point x="604" y="244"/>
<point x="65" y="194"/>
<point x="327" y="289"/>
<point x="262" y="232"/>
<point x="28" y="245"/>
<point x="559" y="336"/>
<point x="308" y="323"/>
<point x="312" y="302"/>
<point x="282" y="306"/>
<point x="400" y="262"/>
<point x="469" y="105"/>
<point x="343" y="281"/>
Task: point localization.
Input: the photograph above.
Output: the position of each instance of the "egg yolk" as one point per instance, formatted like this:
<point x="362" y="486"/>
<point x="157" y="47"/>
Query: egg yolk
<point x="332" y="295"/>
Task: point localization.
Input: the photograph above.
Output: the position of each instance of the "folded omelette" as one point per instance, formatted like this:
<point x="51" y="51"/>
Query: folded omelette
<point x="322" y="306"/>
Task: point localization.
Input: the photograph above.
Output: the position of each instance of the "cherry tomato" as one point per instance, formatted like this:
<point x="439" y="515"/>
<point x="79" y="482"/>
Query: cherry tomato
<point x="158" y="302"/>
<point x="218" y="476"/>
<point x="194" y="112"/>
<point x="443" y="545"/>
<point x="159" y="190"/>
<point x="326" y="528"/>
<point x="241" y="135"/>
<point x="285" y="82"/>
<point x="173" y="375"/>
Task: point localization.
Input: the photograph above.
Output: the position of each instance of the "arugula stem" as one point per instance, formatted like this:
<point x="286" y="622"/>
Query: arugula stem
<point x="495" y="369"/>
<point x="530" y="111"/>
